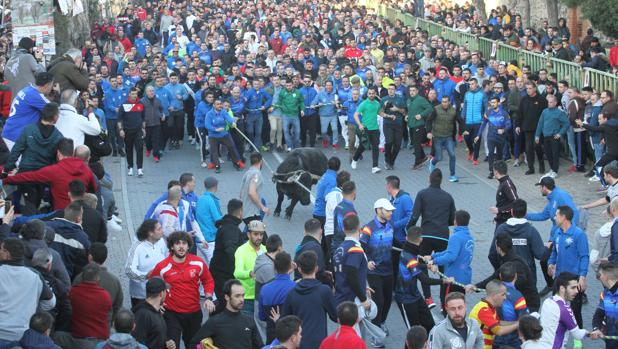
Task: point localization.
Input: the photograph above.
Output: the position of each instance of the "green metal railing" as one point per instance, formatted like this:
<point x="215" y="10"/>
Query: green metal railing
<point x="569" y="71"/>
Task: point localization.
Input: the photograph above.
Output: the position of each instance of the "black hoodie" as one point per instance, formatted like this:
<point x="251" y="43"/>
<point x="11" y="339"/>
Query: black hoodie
<point x="150" y="328"/>
<point x="311" y="301"/>
<point x="527" y="243"/>
<point x="228" y="239"/>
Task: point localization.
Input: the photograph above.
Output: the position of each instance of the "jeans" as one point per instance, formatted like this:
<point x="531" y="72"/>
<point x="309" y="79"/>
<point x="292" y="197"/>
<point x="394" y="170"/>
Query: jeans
<point x="308" y="124"/>
<point x="580" y="147"/>
<point x="276" y="129"/>
<point x="332" y="121"/>
<point x="253" y="126"/>
<point x="291" y="129"/>
<point x="393" y="133"/>
<point x="449" y="144"/>
<point x="571" y="142"/>
<point x="599" y="149"/>
<point x="473" y="148"/>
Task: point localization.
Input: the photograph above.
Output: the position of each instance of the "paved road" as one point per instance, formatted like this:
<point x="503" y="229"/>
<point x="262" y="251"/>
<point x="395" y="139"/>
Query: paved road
<point x="474" y="192"/>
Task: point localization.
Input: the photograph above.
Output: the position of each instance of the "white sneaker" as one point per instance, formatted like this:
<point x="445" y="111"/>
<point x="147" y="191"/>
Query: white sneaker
<point x="193" y="141"/>
<point x="594" y="178"/>
<point x="117" y="219"/>
<point x="113" y="226"/>
<point x="375" y="170"/>
<point x="140" y="173"/>
<point x="130" y="173"/>
<point x="553" y="174"/>
<point x="204" y="164"/>
<point x="353" y="164"/>
<point x="221" y="161"/>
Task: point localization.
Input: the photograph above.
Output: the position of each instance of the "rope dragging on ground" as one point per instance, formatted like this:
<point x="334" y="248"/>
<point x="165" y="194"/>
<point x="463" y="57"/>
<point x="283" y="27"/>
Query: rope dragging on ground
<point x="611" y="338"/>
<point x="443" y="276"/>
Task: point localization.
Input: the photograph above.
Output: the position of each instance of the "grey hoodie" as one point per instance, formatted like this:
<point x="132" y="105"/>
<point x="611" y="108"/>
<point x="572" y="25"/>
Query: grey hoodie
<point x="121" y="341"/>
<point x="264" y="272"/>
<point x="445" y="336"/>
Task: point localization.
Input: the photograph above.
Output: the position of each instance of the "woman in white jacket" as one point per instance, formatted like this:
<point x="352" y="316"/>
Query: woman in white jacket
<point x="149" y="249"/>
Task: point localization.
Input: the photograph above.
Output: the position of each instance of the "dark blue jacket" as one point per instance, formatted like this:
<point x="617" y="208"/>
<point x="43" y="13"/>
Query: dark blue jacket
<point x="311" y="301"/>
<point x="495" y="121"/>
<point x="401" y="216"/>
<point x="325" y="185"/>
<point x="72" y="244"/>
<point x="613" y="242"/>
<point x="273" y="295"/>
<point x="377" y="240"/>
<point x="32" y="339"/>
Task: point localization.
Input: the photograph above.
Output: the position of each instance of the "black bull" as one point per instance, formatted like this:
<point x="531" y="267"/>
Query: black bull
<point x="305" y="165"/>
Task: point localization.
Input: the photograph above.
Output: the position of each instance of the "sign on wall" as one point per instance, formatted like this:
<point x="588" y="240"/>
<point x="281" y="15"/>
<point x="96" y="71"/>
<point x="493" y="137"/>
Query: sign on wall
<point x="34" y="19"/>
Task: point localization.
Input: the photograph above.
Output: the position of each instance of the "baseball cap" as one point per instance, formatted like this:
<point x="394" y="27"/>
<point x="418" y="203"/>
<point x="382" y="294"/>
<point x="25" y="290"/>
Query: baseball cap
<point x="210" y="182"/>
<point x="156" y="285"/>
<point x="547" y="182"/>
<point x="383" y="203"/>
<point x="256" y="225"/>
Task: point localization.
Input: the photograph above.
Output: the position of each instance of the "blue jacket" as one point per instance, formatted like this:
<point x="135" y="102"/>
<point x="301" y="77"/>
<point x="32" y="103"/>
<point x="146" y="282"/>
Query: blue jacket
<point x="344" y="94"/>
<point x="496" y="120"/>
<point x="154" y="205"/>
<point x="237" y="105"/>
<point x="350" y="109"/>
<point x="113" y="100"/>
<point x="25" y="110"/>
<point x="309" y="94"/>
<point x="557" y="197"/>
<point x="140" y="46"/>
<point x="273" y="295"/>
<point x="165" y="97"/>
<point x="328" y="99"/>
<point x="311" y="301"/>
<point x="200" y="114"/>
<point x="377" y="241"/>
<point x="72" y="244"/>
<point x="177" y="90"/>
<point x="401" y="216"/>
<point x="257" y="99"/>
<point x="207" y="212"/>
<point x="458" y="256"/>
<point x="553" y="121"/>
<point x="217" y="119"/>
<point x="474" y="106"/>
<point x="32" y="339"/>
<point x="445" y="87"/>
<point x="325" y="185"/>
<point x="570" y="251"/>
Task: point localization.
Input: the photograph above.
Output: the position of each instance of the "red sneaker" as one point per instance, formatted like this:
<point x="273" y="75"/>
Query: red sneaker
<point x="430" y="303"/>
<point x="147" y="153"/>
<point x="336" y="146"/>
<point x="240" y="164"/>
<point x="572" y="169"/>
<point x="211" y="165"/>
<point x="475" y="162"/>
<point x="381" y="150"/>
<point x="156" y="158"/>
<point x="324" y="144"/>
<point x="469" y="156"/>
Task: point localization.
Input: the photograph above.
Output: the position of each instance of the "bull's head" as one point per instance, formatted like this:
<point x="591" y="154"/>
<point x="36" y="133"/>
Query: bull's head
<point x="304" y="196"/>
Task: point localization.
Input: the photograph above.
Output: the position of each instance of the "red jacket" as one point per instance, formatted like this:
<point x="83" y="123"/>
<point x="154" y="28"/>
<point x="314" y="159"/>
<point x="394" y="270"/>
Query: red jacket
<point x="344" y="337"/>
<point x="58" y="176"/>
<point x="184" y="279"/>
<point x="613" y="56"/>
<point x="91" y="305"/>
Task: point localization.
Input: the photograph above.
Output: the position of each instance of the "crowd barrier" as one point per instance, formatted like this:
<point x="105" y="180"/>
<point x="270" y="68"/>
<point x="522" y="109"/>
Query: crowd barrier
<point x="569" y="71"/>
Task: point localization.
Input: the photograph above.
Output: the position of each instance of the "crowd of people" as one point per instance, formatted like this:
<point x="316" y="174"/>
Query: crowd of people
<point x="252" y="78"/>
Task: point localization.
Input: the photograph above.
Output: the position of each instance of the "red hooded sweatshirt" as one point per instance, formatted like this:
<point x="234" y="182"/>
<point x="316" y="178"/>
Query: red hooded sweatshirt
<point x="58" y="176"/>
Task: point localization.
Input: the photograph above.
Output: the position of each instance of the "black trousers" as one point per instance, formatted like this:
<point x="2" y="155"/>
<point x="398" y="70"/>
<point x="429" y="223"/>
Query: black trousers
<point x="531" y="149"/>
<point x="418" y="135"/>
<point x="32" y="194"/>
<point x="374" y="140"/>
<point x="202" y="133"/>
<point x="178" y="130"/>
<point x="190" y="122"/>
<point x="416" y="313"/>
<point x="576" y="306"/>
<point x="136" y="301"/>
<point x="133" y="140"/>
<point x="153" y="139"/>
<point x="382" y="286"/>
<point x="552" y="150"/>
<point x="496" y="148"/>
<point x="548" y="279"/>
<point x="166" y="127"/>
<point x="112" y="132"/>
<point x="393" y="134"/>
<point x="214" y="148"/>
<point x="239" y="142"/>
<point x="473" y="130"/>
<point x="308" y="125"/>
<point x="428" y="246"/>
<point x="183" y="325"/>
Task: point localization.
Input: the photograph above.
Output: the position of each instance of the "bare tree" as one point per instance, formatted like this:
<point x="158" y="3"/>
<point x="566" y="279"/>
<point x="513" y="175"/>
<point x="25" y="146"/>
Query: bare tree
<point x="552" y="12"/>
<point x="480" y="7"/>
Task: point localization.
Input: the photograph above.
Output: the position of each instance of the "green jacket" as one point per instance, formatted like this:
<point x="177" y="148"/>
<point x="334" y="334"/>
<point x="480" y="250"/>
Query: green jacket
<point x="442" y="122"/>
<point x="513" y="99"/>
<point x="418" y="106"/>
<point x="244" y="262"/>
<point x="36" y="150"/>
<point x="290" y="103"/>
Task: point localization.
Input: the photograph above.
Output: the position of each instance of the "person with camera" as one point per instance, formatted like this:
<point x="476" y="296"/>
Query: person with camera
<point x="67" y="71"/>
<point x="27" y="60"/>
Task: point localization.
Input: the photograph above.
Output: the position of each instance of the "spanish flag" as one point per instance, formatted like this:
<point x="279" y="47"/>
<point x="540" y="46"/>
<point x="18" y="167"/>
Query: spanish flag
<point x="356" y="249"/>
<point x="412" y="263"/>
<point x="366" y="230"/>
<point x="521" y="304"/>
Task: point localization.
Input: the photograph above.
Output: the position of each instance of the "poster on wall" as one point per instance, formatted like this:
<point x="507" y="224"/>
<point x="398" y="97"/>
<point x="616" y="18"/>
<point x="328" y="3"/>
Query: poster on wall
<point x="34" y="19"/>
